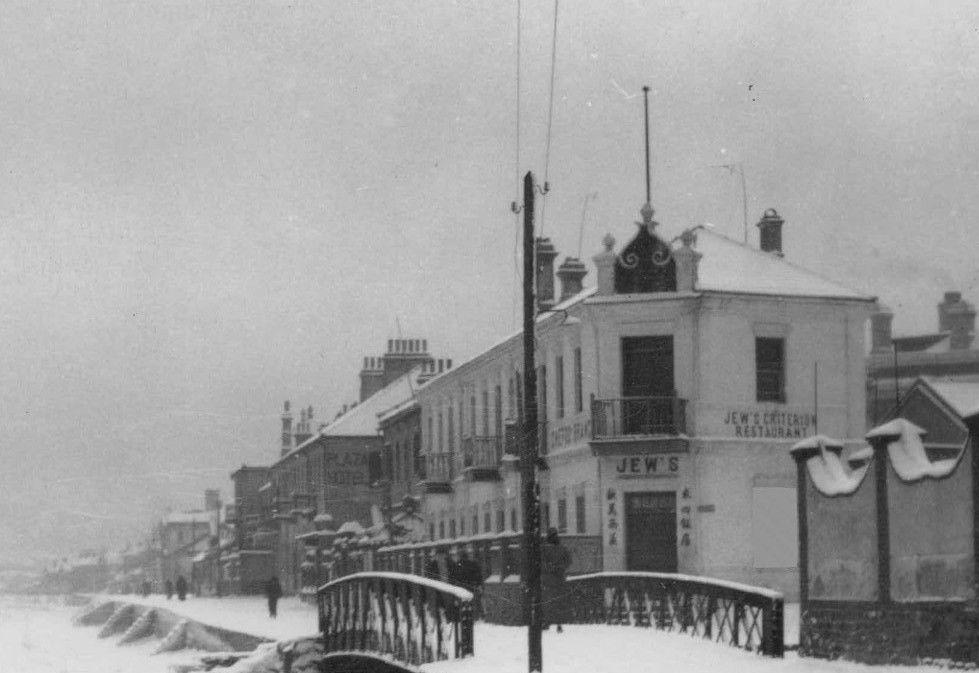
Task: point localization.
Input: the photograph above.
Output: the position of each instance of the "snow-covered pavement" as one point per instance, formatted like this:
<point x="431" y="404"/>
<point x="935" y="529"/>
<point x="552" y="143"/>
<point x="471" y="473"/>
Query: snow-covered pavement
<point x="37" y="636"/>
<point x="248" y="614"/>
<point x="502" y="649"/>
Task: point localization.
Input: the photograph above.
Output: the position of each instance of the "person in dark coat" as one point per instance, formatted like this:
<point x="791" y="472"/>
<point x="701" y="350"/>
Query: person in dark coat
<point x="555" y="561"/>
<point x="168" y="589"/>
<point x="432" y="570"/>
<point x="467" y="573"/>
<point x="181" y="587"/>
<point x="273" y="592"/>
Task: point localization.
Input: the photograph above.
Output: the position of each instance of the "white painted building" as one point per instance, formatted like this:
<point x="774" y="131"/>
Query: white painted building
<point x="670" y="394"/>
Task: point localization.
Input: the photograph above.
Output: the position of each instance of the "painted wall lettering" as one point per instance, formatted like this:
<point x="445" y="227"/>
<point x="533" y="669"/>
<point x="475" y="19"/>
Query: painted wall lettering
<point x="647" y="466"/>
<point x="768" y="424"/>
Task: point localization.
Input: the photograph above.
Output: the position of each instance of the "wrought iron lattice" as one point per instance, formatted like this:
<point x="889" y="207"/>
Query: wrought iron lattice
<point x="725" y="612"/>
<point x="414" y="620"/>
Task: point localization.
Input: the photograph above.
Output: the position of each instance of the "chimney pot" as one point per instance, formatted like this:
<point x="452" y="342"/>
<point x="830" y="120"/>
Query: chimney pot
<point x="571" y="273"/>
<point x="448" y="363"/>
<point x="544" y="254"/>
<point x="390" y="345"/>
<point x="770" y="232"/>
<point x="958" y="317"/>
<point x="424" y="345"/>
<point x="441" y="365"/>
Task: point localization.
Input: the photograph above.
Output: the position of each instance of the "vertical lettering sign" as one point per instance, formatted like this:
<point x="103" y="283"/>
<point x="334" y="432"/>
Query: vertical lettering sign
<point x="685" y="518"/>
<point x="612" y="515"/>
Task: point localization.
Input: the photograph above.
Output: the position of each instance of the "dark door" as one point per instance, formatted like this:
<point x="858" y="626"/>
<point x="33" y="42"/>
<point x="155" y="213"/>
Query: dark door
<point x="647" y="385"/>
<point x="650" y="531"/>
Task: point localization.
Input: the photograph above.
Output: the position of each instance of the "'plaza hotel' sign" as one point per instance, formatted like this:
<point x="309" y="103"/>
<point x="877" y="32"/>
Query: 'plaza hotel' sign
<point x="769" y="424"/>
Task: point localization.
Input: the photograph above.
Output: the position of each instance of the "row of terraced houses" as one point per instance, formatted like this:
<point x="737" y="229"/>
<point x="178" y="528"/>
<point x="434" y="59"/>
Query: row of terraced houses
<point x="670" y="389"/>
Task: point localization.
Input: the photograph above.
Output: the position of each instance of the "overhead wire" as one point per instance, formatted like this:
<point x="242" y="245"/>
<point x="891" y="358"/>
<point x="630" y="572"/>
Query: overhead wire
<point x="550" y="120"/>
<point x="516" y="210"/>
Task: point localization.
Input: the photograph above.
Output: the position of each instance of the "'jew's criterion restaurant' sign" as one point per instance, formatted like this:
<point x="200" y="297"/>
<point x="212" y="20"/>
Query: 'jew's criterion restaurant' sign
<point x="769" y="424"/>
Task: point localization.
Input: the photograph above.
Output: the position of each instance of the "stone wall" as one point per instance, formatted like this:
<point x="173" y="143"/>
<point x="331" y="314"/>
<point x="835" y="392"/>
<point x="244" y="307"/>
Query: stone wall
<point x="896" y="633"/>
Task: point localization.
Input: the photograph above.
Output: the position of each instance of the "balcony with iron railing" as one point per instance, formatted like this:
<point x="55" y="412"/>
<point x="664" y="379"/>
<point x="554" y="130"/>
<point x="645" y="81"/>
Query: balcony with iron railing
<point x="659" y="422"/>
<point x="438" y="473"/>
<point x="481" y="457"/>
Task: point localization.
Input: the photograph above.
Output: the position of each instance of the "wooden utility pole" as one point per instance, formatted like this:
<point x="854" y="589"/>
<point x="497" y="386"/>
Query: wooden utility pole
<point x="528" y="453"/>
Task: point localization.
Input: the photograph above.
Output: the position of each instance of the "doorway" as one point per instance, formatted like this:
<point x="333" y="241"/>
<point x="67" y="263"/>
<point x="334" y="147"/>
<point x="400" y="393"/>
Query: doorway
<point x="650" y="531"/>
<point x="647" y="385"/>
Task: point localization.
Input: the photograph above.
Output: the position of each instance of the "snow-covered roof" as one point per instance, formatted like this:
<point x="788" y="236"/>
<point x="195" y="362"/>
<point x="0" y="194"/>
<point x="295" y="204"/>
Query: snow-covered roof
<point x="731" y="266"/>
<point x="188" y="517"/>
<point x="362" y="419"/>
<point x="961" y="396"/>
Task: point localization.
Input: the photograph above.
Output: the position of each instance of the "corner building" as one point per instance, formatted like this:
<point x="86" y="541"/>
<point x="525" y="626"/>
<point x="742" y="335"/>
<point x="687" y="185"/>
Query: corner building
<point x="669" y="396"/>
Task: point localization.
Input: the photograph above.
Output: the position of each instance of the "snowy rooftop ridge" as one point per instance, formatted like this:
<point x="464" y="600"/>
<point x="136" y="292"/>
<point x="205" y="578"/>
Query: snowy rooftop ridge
<point x="722" y="269"/>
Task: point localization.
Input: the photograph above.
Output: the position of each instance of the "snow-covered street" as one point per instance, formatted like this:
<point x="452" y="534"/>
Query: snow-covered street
<point x="502" y="649"/>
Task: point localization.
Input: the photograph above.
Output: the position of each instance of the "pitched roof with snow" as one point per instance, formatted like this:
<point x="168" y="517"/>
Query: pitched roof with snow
<point x="961" y="396"/>
<point x="731" y="266"/>
<point x="362" y="420"/>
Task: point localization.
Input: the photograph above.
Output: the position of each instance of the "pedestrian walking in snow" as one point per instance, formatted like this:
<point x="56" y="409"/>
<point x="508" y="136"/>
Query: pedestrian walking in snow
<point x="432" y="569"/>
<point x="273" y="592"/>
<point x="168" y="588"/>
<point x="555" y="560"/>
<point x="181" y="587"/>
<point x="467" y="573"/>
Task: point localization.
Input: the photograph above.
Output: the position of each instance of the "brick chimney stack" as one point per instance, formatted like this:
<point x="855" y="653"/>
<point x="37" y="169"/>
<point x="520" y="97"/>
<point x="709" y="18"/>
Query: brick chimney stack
<point x="286" y="430"/>
<point x="371" y="376"/>
<point x="571" y="273"/>
<point x="880" y="329"/>
<point x="770" y="232"/>
<point x="958" y="317"/>
<point x="544" y="254"/>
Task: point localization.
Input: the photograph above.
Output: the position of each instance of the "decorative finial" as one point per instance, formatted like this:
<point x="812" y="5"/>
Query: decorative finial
<point x="647" y="212"/>
<point x="688" y="237"/>
<point x="609" y="242"/>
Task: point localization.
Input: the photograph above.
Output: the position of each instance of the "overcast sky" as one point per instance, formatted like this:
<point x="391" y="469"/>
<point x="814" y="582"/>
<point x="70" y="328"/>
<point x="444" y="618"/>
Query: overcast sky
<point x="210" y="207"/>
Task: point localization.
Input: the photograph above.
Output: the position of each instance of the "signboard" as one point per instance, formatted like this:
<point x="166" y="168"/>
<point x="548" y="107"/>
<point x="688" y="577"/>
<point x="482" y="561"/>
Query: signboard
<point x="769" y="424"/>
<point x="570" y="433"/>
<point x="347" y="468"/>
<point x="647" y="466"/>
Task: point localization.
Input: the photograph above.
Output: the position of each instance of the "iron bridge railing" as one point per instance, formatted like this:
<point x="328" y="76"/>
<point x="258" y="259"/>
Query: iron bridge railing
<point x="414" y="620"/>
<point x="735" y="614"/>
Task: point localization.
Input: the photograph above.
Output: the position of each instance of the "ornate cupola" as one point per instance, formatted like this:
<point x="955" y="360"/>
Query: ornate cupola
<point x="646" y="264"/>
